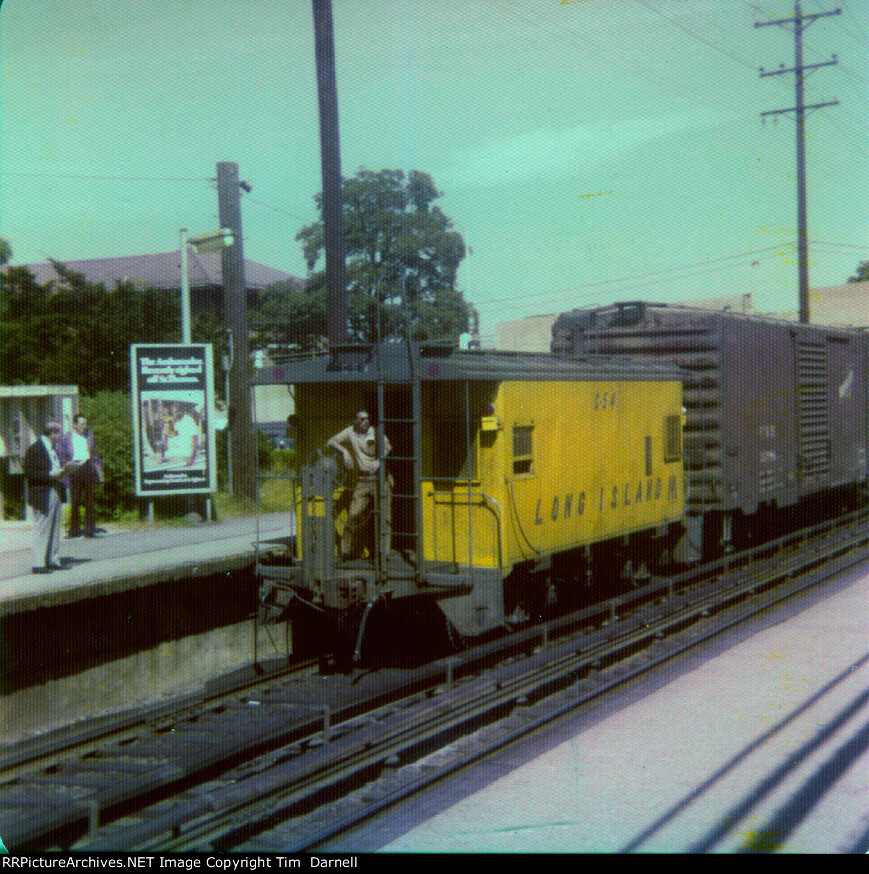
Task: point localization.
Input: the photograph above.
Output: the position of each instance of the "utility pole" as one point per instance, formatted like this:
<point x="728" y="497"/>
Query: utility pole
<point x="800" y="23"/>
<point x="240" y="427"/>
<point x="333" y="201"/>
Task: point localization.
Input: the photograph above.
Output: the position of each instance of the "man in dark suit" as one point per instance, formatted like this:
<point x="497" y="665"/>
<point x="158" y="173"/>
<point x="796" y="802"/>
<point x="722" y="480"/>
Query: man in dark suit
<point x="80" y="445"/>
<point x="45" y="496"/>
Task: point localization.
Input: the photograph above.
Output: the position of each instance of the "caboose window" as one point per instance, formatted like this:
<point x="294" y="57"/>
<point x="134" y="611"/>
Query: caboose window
<point x="450" y="452"/>
<point x="672" y="438"/>
<point x="523" y="449"/>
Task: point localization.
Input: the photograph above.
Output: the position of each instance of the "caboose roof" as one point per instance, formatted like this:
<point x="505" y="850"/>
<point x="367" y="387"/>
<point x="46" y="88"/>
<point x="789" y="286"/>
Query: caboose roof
<point x="438" y="363"/>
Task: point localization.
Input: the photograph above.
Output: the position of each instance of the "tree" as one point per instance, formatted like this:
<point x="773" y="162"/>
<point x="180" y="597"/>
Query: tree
<point x="73" y="331"/>
<point x="862" y="274"/>
<point x="402" y="255"/>
<point x="290" y="314"/>
<point x="5" y="251"/>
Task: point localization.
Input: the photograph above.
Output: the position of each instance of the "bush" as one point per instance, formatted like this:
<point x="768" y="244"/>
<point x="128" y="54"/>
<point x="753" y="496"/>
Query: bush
<point x="109" y="417"/>
<point x="282" y="461"/>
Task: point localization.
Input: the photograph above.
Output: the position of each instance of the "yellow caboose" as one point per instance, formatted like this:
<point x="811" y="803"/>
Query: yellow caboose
<point x="506" y="469"/>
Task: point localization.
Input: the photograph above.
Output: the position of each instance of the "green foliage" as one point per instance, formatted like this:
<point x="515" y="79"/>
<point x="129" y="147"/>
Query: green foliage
<point x="264" y="449"/>
<point x="77" y="332"/>
<point x="283" y="461"/>
<point x="402" y="259"/>
<point x="208" y="328"/>
<point x="74" y="332"/>
<point x="289" y="315"/>
<point x="862" y="274"/>
<point x="5" y="251"/>
<point x="110" y="418"/>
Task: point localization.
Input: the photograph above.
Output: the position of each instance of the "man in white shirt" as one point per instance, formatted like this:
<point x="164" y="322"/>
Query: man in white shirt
<point x="79" y="445"/>
<point x="358" y="445"/>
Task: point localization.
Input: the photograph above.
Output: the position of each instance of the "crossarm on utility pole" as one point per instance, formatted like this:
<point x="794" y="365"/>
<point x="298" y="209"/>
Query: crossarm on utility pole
<point x="800" y="22"/>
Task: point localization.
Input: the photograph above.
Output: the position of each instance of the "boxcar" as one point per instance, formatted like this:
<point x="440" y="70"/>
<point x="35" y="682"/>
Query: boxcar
<point x="776" y="412"/>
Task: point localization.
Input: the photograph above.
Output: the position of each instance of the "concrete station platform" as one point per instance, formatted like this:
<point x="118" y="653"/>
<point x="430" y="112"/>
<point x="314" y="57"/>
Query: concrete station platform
<point x="135" y="617"/>
<point x="123" y="559"/>
<point x="761" y="745"/>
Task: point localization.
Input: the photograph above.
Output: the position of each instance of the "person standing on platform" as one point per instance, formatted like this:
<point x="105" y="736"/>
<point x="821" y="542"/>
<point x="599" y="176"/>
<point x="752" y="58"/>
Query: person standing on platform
<point x="358" y="445"/>
<point x="79" y="445"/>
<point x="46" y="493"/>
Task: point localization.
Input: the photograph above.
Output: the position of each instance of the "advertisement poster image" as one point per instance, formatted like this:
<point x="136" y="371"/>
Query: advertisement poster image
<point x="172" y="396"/>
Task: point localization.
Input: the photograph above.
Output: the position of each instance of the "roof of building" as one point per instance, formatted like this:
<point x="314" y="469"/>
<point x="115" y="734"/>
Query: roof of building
<point x="161" y="270"/>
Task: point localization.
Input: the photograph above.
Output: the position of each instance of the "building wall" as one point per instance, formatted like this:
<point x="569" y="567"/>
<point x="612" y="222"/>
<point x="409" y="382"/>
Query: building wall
<point x="273" y="403"/>
<point x="532" y="334"/>
<point x="841" y="305"/>
<point x="735" y="303"/>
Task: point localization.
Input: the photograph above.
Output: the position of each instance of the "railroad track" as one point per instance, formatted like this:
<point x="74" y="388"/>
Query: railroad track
<point x="261" y="769"/>
<point x="44" y="751"/>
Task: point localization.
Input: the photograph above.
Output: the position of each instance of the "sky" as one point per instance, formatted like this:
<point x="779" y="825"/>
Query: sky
<point x="587" y="150"/>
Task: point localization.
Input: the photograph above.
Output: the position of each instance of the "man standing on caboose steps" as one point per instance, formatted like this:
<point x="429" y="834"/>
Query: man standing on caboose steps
<point x="45" y="496"/>
<point x="358" y="445"/>
<point x="79" y="446"/>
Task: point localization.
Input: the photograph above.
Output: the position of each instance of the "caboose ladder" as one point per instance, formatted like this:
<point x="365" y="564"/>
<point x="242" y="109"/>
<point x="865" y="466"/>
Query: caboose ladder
<point x="413" y="460"/>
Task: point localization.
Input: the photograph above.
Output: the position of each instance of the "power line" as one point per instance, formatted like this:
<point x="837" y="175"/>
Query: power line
<point x="863" y="36"/>
<point x="857" y="79"/>
<point x="586" y="290"/>
<point x="696" y="36"/>
<point x="668" y="270"/>
<point x="758" y="8"/>
<point x="584" y="42"/>
<point x="276" y="208"/>
<point x="100" y="176"/>
<point x="855" y="138"/>
<point x="864" y="247"/>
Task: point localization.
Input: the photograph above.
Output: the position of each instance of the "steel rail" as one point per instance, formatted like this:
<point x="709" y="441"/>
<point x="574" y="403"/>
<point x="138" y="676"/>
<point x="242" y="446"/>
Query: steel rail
<point x="308" y="833"/>
<point x="229" y="808"/>
<point x="46" y="750"/>
<point x="440" y="673"/>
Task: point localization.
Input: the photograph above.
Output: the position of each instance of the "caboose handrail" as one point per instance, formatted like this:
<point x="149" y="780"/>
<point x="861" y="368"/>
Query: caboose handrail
<point x="486" y="500"/>
<point x="518" y="521"/>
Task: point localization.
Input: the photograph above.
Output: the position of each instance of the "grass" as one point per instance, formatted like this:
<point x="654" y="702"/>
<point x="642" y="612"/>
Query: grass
<point x="275" y="496"/>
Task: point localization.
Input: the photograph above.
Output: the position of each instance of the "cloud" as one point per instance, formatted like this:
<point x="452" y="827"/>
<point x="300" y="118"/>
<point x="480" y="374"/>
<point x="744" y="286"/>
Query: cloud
<point x="547" y="153"/>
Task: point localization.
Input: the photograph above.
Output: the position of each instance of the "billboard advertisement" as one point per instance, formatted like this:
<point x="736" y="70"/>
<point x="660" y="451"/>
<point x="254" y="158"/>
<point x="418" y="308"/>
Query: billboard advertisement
<point x="173" y="429"/>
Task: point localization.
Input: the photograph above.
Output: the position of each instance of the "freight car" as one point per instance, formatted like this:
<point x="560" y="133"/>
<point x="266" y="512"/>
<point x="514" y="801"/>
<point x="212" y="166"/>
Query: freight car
<point x="776" y="412"/>
<point x="513" y="475"/>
